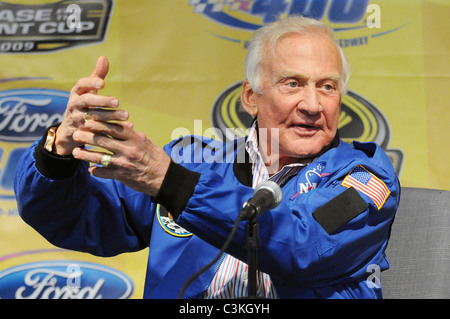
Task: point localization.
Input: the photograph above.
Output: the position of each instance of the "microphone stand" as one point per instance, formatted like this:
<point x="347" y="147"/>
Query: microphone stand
<point x="253" y="243"/>
<point x="267" y="195"/>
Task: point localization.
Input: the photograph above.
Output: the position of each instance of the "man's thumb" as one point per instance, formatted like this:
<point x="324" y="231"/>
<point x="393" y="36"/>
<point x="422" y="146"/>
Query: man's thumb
<point x="101" y="68"/>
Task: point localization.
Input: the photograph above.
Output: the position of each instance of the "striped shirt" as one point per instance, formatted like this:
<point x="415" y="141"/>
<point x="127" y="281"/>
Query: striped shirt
<point x="230" y="280"/>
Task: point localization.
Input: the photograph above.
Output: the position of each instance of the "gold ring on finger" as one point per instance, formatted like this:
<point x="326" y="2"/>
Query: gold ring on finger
<point x="87" y="117"/>
<point x="106" y="160"/>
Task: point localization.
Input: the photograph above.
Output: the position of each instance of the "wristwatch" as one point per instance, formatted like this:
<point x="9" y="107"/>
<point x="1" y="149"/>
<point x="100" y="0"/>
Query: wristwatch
<point x="50" y="141"/>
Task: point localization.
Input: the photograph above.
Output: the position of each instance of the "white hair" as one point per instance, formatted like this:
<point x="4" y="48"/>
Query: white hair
<point x="265" y="39"/>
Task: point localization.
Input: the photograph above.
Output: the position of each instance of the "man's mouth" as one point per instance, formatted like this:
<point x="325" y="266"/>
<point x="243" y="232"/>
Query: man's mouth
<point x="305" y="128"/>
<point x="311" y="126"/>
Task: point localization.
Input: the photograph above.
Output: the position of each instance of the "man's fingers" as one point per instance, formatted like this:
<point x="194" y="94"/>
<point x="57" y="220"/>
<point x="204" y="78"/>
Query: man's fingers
<point x="101" y="68"/>
<point x="104" y="135"/>
<point x="88" y="85"/>
<point x="88" y="156"/>
<point x="104" y="115"/>
<point x="91" y="100"/>
<point x="96" y="140"/>
<point x="120" y="131"/>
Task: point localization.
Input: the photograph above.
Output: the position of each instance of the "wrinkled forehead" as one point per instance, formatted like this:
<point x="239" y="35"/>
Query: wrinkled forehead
<point x="293" y="47"/>
<point x="271" y="42"/>
<point x="295" y="51"/>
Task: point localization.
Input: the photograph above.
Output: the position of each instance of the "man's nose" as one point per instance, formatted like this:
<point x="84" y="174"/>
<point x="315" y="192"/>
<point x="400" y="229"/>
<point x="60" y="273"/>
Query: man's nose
<point x="309" y="101"/>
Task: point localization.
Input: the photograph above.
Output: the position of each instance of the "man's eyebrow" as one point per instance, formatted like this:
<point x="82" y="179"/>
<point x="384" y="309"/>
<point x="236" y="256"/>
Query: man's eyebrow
<point x="333" y="77"/>
<point x="288" y="75"/>
<point x="293" y="75"/>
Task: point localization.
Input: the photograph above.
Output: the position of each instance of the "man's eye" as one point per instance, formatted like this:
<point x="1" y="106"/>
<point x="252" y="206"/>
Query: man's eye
<point x="292" y="84"/>
<point x="328" y="87"/>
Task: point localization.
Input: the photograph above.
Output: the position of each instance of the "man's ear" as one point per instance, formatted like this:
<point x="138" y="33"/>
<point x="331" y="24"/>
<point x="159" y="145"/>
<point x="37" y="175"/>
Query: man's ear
<point x="248" y="99"/>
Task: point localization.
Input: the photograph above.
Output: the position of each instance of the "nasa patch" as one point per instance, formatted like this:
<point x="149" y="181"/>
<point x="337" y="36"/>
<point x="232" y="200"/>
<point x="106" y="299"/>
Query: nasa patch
<point x="166" y="221"/>
<point x="310" y="177"/>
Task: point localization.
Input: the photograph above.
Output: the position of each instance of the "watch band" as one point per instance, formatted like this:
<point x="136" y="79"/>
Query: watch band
<point x="50" y="141"/>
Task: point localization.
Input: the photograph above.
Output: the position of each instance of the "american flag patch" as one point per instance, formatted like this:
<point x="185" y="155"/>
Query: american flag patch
<point x="367" y="183"/>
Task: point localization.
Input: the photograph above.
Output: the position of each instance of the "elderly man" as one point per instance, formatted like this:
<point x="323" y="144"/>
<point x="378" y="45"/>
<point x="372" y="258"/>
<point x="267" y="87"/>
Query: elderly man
<point x="324" y="239"/>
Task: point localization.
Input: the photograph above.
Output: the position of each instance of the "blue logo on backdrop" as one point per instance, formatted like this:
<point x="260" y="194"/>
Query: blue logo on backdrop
<point x="230" y="13"/>
<point x="361" y="19"/>
<point x="26" y="113"/>
<point x="64" y="280"/>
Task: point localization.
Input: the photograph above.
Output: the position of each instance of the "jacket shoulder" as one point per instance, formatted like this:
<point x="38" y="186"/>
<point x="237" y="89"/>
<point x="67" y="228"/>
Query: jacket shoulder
<point x="344" y="158"/>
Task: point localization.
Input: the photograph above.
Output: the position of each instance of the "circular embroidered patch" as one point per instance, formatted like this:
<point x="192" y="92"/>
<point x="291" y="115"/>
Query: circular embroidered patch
<point x="168" y="224"/>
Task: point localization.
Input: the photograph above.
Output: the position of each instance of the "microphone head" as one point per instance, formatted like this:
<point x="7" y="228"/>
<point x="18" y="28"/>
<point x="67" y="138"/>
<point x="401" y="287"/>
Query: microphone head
<point x="274" y="190"/>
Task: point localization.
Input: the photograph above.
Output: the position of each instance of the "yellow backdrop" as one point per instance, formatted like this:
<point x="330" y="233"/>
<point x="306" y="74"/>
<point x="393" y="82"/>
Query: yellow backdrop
<point x="176" y="61"/>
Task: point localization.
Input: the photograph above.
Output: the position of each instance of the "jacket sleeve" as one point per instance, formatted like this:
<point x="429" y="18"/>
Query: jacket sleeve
<point x="74" y="210"/>
<point x="297" y="246"/>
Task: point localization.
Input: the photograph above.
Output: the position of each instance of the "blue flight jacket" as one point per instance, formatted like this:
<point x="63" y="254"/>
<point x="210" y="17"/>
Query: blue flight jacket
<point x="323" y="241"/>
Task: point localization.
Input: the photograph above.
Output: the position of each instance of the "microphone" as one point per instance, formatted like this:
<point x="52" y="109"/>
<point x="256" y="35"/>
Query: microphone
<point x="267" y="195"/>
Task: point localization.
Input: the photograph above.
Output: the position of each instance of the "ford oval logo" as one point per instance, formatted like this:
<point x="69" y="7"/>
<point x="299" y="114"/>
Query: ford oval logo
<point x="26" y="113"/>
<point x="64" y="280"/>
